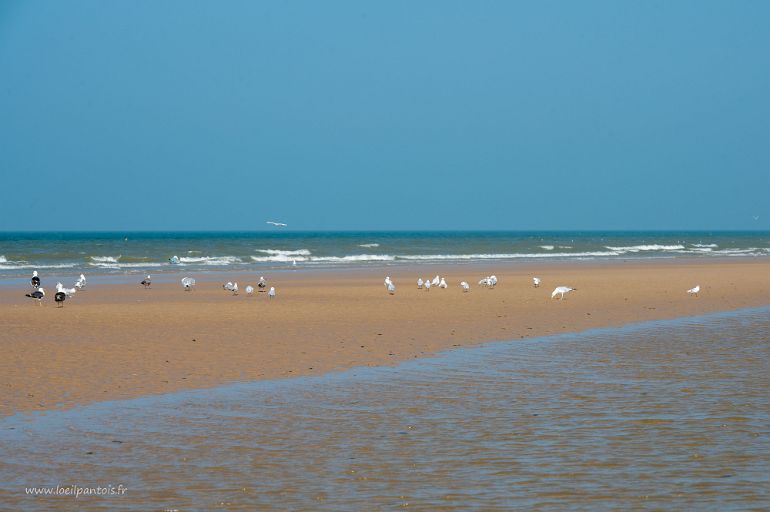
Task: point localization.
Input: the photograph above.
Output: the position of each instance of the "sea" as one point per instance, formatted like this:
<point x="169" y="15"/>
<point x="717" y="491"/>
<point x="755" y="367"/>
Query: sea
<point x="666" y="415"/>
<point x="158" y="252"/>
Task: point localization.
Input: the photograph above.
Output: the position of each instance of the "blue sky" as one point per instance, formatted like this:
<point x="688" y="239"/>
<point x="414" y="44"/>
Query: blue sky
<point x="387" y="115"/>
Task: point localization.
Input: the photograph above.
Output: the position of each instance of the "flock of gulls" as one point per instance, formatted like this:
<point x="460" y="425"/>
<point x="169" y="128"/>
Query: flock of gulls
<point x="188" y="283"/>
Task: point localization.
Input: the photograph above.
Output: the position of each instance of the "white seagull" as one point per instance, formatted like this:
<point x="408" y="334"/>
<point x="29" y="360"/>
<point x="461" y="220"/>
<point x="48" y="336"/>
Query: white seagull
<point x="492" y="280"/>
<point x="536" y="282"/>
<point x="37" y="295"/>
<point x="443" y="284"/>
<point x="146" y="282"/>
<point x="188" y="283"/>
<point x="694" y="291"/>
<point x="249" y="290"/>
<point x="427" y="285"/>
<point x="466" y="286"/>
<point x="271" y="293"/>
<point x="66" y="291"/>
<point x="561" y="290"/>
<point x="262" y="284"/>
<point x="81" y="283"/>
<point x="436" y="281"/>
<point x="419" y="283"/>
<point x="391" y="288"/>
<point x="276" y="224"/>
<point x="388" y="282"/>
<point x="35" y="281"/>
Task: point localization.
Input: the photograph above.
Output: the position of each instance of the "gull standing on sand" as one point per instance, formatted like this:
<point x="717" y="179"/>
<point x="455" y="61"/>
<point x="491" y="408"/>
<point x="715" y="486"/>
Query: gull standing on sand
<point x="249" y="290"/>
<point x="436" y="280"/>
<point x="388" y="282"/>
<point x="419" y="283"/>
<point x="59" y="297"/>
<point x="188" y="283"/>
<point x="262" y="284"/>
<point x="81" y="283"/>
<point x="493" y="281"/>
<point x="37" y="295"/>
<point x="536" y="282"/>
<point x="146" y="282"/>
<point x="561" y="290"/>
<point x="694" y="291"/>
<point x="443" y="284"/>
<point x="271" y="293"/>
<point x="466" y="286"/>
<point x="35" y="281"/>
<point x="427" y="285"/>
<point x="391" y="288"/>
<point x="66" y="291"/>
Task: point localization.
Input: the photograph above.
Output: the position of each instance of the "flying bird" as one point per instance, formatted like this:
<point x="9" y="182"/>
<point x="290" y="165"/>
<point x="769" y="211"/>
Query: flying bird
<point x="694" y="291"/>
<point x="37" y="295"/>
<point x="277" y="224"/>
<point x="466" y="286"/>
<point x="536" y="282"/>
<point x="188" y="283"/>
<point x="146" y="282"/>
<point x="271" y="293"/>
<point x="35" y="281"/>
<point x="419" y="283"/>
<point x="561" y="290"/>
<point x="249" y="290"/>
<point x="756" y="217"/>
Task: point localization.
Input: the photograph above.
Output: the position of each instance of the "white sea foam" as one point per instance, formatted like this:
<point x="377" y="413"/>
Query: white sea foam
<point x="210" y="260"/>
<point x="710" y="246"/>
<point x="282" y="258"/>
<point x="547" y="247"/>
<point x="652" y="247"/>
<point x="18" y="265"/>
<point x="280" y="252"/>
<point x="105" y="259"/>
<point x="367" y="246"/>
<point x="124" y="265"/>
<point x="427" y="257"/>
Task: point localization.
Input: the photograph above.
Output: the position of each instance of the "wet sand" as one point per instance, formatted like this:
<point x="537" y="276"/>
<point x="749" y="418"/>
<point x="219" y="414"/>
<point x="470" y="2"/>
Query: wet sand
<point x="121" y="341"/>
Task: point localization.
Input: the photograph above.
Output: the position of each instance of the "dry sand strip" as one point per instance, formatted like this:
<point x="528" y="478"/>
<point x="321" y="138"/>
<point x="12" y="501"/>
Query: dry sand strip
<point x="122" y="341"/>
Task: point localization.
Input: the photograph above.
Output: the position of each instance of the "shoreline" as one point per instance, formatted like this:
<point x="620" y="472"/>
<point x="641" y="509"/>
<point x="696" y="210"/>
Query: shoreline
<point x="115" y="342"/>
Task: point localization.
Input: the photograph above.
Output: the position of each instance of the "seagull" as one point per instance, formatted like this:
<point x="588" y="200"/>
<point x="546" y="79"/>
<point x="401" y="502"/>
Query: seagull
<point x="146" y="282"/>
<point x="419" y="283"/>
<point x="271" y="293"/>
<point x="81" y="283"/>
<point x="485" y="281"/>
<point x="391" y="288"/>
<point x="427" y="285"/>
<point x="66" y="291"/>
<point x="174" y="260"/>
<point x="388" y="282"/>
<point x="756" y="217"/>
<point x="233" y="288"/>
<point x="492" y="280"/>
<point x="436" y="281"/>
<point x="466" y="286"/>
<point x="536" y="282"/>
<point x="59" y="298"/>
<point x="443" y="284"/>
<point x="277" y="224"/>
<point x="37" y="294"/>
<point x="694" y="291"/>
<point x="35" y="281"/>
<point x="188" y="283"/>
<point x="262" y="284"/>
<point x="561" y="290"/>
<point x="249" y="290"/>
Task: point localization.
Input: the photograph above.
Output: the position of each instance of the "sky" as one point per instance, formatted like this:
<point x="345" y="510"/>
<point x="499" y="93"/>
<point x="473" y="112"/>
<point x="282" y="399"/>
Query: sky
<point x="182" y="115"/>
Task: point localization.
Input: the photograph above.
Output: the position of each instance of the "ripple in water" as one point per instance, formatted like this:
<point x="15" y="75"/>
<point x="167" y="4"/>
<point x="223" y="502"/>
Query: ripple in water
<point x="668" y="415"/>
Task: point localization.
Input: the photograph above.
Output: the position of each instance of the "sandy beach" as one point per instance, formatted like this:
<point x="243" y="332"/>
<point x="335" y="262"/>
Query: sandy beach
<point x="122" y="341"/>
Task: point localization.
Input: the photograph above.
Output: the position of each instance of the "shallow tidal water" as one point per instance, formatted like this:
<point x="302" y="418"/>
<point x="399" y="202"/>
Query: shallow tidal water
<point x="671" y="415"/>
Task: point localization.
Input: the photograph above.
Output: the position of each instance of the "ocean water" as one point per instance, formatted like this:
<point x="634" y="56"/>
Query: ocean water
<point x="671" y="415"/>
<point x="20" y="253"/>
